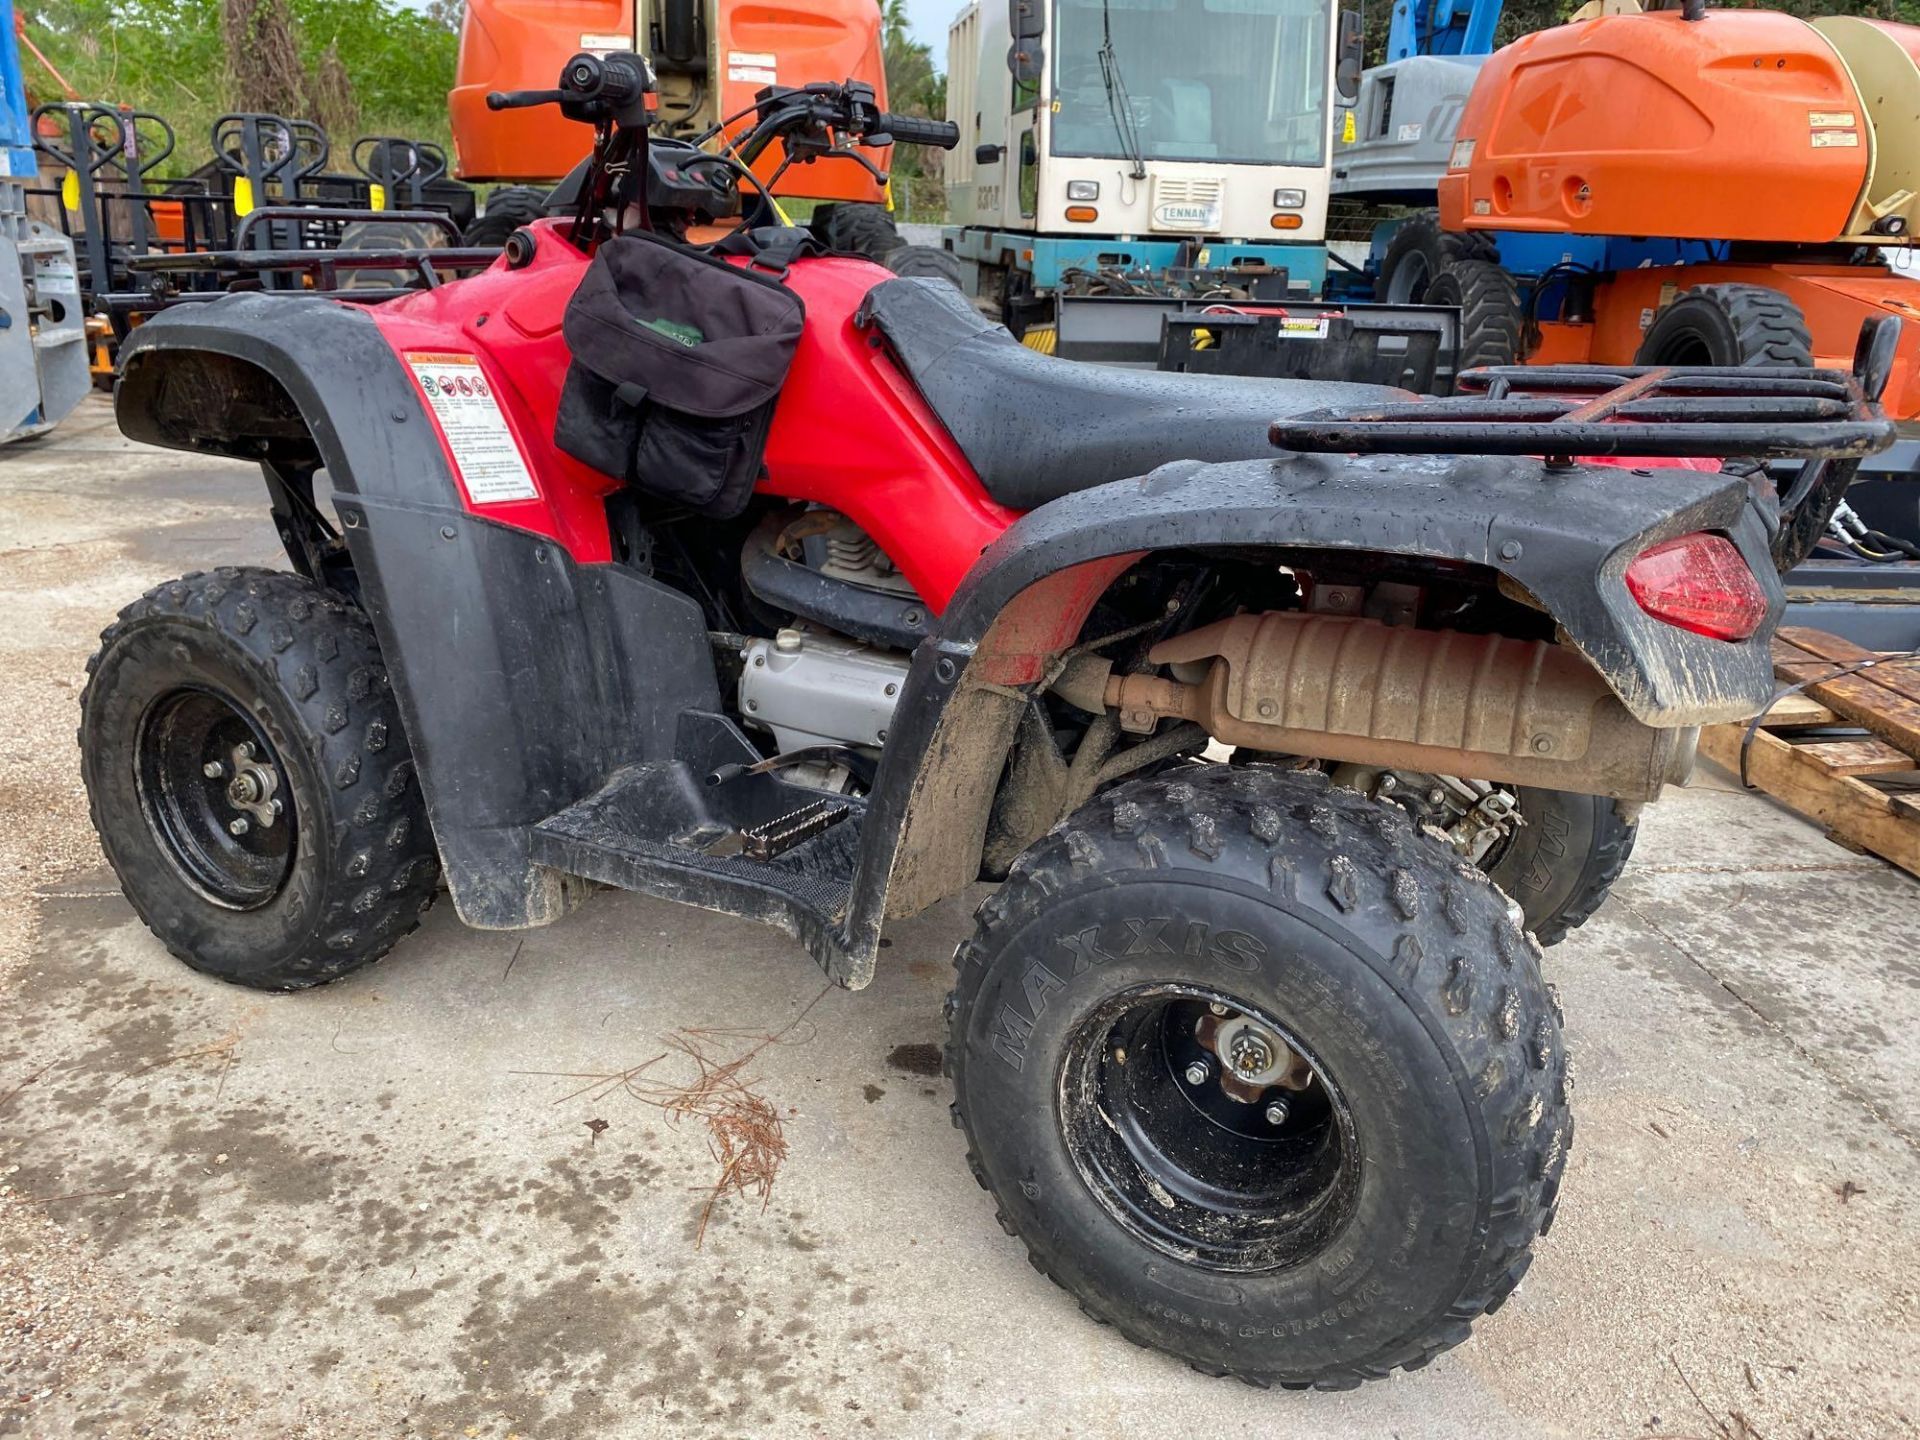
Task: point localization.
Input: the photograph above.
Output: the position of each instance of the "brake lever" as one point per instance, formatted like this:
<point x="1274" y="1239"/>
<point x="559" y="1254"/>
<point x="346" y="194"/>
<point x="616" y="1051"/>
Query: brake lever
<point x="850" y="153"/>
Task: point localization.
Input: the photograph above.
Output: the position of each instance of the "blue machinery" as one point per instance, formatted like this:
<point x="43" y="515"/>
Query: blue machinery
<point x="43" y="336"/>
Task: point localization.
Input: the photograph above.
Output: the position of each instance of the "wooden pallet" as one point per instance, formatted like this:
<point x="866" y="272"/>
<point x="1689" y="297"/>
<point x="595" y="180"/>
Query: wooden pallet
<point x="1844" y="751"/>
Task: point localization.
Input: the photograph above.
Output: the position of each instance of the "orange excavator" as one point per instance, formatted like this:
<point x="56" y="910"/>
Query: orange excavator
<point x="712" y="57"/>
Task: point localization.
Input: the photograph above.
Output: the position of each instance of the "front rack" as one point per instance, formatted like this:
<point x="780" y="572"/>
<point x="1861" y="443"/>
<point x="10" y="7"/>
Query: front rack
<point x="1559" y="412"/>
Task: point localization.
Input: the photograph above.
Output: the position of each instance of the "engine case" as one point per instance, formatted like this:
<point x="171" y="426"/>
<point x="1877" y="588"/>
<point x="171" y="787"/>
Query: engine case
<point x="810" y="688"/>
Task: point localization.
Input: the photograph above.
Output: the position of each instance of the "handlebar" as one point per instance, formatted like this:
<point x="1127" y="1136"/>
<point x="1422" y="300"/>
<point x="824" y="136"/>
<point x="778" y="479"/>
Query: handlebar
<point x="910" y="130"/>
<point x="593" y="88"/>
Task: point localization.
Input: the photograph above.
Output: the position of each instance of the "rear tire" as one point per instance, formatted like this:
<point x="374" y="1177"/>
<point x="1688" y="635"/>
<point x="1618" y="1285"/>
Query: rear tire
<point x="262" y="678"/>
<point x="926" y="261"/>
<point x="1489" y="306"/>
<point x="1419" y="250"/>
<point x="507" y="210"/>
<point x="1728" y="325"/>
<point x="1436" y="1076"/>
<point x="1560" y="865"/>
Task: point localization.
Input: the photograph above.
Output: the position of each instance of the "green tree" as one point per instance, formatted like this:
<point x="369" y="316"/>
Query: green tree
<point x="388" y="63"/>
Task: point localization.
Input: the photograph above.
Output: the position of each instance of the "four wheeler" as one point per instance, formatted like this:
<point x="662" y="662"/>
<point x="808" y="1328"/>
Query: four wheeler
<point x="672" y="554"/>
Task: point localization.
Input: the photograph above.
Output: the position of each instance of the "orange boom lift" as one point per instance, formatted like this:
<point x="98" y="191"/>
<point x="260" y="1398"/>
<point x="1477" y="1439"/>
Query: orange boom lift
<point x="1789" y="150"/>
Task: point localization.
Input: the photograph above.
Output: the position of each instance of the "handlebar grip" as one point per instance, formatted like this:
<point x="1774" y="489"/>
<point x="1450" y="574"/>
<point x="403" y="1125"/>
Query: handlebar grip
<point x="908" y="130"/>
<point x="620" y="80"/>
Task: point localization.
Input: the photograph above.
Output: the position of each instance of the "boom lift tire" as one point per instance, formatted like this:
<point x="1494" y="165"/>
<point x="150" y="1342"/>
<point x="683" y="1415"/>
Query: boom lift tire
<point x="926" y="261"/>
<point x="211" y="698"/>
<point x="1728" y="325"/>
<point x="1419" y="250"/>
<point x="507" y="210"/>
<point x="1489" y="306"/>
<point x="1561" y="863"/>
<point x="1427" y="1076"/>
<point x="855" y="229"/>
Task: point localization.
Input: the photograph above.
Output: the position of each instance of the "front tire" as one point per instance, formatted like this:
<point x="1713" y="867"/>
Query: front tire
<point x="1419" y="250"/>
<point x="856" y="229"/>
<point x="1423" y="1127"/>
<point x="250" y="781"/>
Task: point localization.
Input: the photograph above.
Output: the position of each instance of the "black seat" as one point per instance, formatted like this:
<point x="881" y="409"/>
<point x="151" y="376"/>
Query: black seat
<point x="1036" y="428"/>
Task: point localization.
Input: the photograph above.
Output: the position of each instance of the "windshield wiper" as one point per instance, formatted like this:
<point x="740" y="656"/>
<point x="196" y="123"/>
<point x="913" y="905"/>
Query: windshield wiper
<point x="1119" y="102"/>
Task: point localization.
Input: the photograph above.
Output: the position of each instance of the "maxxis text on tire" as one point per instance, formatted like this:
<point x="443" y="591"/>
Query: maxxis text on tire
<point x="1728" y="325"/>
<point x="1489" y="306"/>
<point x="296" y="669"/>
<point x="1560" y="864"/>
<point x="1385" y="955"/>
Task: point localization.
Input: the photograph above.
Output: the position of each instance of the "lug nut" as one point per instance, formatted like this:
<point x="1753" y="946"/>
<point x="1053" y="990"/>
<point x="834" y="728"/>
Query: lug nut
<point x="1277" y="1112"/>
<point x="1216" y="1007"/>
<point x="244" y="750"/>
<point x="1198" y="1072"/>
<point x="238" y="825"/>
<point x="213" y="769"/>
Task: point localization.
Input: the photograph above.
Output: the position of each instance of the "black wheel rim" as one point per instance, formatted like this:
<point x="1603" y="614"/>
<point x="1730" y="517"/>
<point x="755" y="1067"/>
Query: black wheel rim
<point x="216" y="796"/>
<point x="1203" y="1172"/>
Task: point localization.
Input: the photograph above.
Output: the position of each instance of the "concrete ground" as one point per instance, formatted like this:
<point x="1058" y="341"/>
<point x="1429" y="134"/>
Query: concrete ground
<point x="382" y="1209"/>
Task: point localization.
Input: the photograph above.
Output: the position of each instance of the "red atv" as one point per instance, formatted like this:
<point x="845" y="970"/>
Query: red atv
<point x="673" y="554"/>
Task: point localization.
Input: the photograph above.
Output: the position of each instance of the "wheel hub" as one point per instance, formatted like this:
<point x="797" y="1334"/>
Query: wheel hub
<point x="1218" y="1140"/>
<point x="215" y="797"/>
<point x="1252" y="1058"/>
<point x="252" y="786"/>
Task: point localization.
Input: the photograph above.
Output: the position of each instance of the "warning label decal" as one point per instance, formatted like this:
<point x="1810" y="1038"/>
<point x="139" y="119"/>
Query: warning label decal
<point x="484" y="450"/>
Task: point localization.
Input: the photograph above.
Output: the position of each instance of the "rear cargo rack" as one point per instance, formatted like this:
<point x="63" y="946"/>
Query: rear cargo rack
<point x="1559" y="412"/>
<point x="1829" y="419"/>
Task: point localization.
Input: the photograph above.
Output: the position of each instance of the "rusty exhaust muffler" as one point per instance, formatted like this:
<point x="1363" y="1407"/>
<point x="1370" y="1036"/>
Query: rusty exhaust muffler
<point x="1484" y="707"/>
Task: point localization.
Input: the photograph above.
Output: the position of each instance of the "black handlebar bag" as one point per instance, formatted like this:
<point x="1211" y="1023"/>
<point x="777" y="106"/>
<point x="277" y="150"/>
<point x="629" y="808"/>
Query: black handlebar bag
<point x="678" y="359"/>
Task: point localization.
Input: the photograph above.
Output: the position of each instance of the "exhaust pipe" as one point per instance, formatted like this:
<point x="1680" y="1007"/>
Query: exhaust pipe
<point x="1483" y="707"/>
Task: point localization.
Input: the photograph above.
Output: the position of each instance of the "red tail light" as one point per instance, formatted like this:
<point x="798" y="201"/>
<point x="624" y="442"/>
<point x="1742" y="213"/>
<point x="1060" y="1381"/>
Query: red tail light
<point x="1699" y="583"/>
